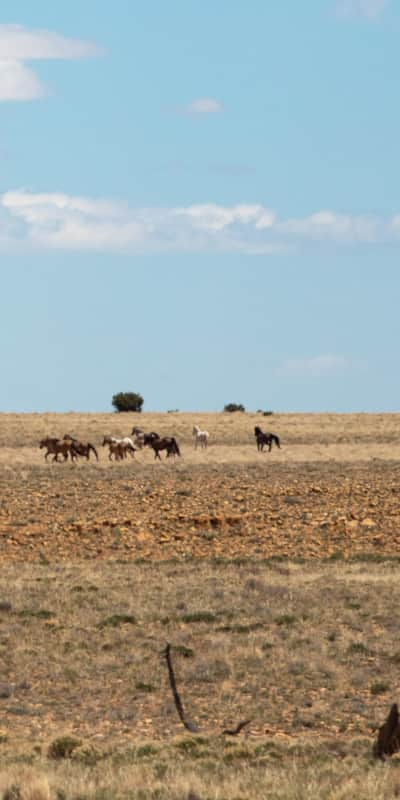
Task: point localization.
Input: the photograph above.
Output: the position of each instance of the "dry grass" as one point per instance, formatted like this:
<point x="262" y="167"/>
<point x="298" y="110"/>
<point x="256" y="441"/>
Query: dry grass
<point x="305" y="437"/>
<point x="301" y="650"/>
<point x="102" y="564"/>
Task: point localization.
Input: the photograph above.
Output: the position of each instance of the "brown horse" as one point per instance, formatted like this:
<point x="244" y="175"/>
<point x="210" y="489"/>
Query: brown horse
<point x="55" y="446"/>
<point x="168" y="443"/>
<point x="80" y="448"/>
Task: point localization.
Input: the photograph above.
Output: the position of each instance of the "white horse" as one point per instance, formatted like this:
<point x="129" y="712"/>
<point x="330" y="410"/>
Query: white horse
<point x="201" y="437"/>
<point x="123" y="446"/>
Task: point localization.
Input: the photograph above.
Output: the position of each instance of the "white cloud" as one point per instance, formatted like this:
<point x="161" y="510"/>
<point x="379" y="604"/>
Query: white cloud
<point x="336" y="227"/>
<point x="18" y="82"/>
<point x="369" y="9"/>
<point x="61" y="221"/>
<point x="19" y="45"/>
<point x="317" y="366"/>
<point x="211" y="217"/>
<point x="202" y="105"/>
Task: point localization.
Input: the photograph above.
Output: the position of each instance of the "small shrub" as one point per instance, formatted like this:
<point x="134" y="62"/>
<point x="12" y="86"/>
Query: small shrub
<point x="199" y="616"/>
<point x="145" y="750"/>
<point x="358" y="648"/>
<point x="144" y="687"/>
<point x="181" y="650"/>
<point x="12" y="793"/>
<point x="379" y="687"/>
<point x="115" y="620"/>
<point x="87" y="754"/>
<point x="231" y="407"/>
<point x="41" y="613"/>
<point x="63" y="747"/>
<point x="286" y="619"/>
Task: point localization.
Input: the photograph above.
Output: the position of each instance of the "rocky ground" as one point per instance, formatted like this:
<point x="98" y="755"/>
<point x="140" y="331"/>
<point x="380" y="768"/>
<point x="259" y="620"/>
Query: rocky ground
<point x="206" y="510"/>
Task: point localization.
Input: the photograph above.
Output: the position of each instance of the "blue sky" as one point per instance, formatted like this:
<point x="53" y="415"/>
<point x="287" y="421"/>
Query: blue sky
<point x="200" y="202"/>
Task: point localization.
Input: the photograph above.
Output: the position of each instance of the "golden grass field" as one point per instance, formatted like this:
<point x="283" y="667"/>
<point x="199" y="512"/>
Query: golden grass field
<point x="273" y="575"/>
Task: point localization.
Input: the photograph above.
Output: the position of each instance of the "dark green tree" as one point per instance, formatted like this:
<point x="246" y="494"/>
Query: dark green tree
<point x="234" y="407"/>
<point x="128" y="401"/>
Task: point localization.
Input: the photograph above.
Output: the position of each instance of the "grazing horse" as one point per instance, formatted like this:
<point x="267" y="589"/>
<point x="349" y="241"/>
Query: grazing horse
<point x="201" y="437"/>
<point x="119" y="448"/>
<point x="168" y="443"/>
<point x="80" y="448"/>
<point x="142" y="438"/>
<point x="265" y="438"/>
<point x="55" y="446"/>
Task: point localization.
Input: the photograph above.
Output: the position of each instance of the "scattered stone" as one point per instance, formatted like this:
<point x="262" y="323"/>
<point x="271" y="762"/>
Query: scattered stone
<point x="368" y="523"/>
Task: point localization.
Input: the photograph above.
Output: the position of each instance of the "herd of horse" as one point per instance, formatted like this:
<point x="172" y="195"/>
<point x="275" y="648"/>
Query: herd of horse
<point x="119" y="449"/>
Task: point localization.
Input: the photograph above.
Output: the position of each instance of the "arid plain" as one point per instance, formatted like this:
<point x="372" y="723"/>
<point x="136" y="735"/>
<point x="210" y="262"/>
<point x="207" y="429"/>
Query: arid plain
<point x="274" y="576"/>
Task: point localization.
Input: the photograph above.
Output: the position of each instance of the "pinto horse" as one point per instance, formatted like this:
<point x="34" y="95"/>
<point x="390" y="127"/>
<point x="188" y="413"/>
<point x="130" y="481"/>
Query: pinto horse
<point x="119" y="448"/>
<point x="265" y="438"/>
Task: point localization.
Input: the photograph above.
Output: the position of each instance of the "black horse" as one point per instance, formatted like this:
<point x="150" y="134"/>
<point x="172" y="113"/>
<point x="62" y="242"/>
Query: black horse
<point x="142" y="438"/>
<point x="265" y="438"/>
<point x="168" y="443"/>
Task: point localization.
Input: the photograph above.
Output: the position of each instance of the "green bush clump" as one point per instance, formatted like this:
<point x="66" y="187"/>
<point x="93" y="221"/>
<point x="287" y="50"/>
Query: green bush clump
<point x="128" y="401"/>
<point x="231" y="407"/>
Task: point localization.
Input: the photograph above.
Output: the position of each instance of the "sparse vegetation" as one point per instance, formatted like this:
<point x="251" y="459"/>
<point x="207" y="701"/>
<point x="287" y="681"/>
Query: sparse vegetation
<point x="283" y="619"/>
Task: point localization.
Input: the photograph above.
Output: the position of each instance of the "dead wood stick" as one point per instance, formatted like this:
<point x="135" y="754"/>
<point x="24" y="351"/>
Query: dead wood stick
<point x="239" y="727"/>
<point x="388" y="739"/>
<point x="190" y="726"/>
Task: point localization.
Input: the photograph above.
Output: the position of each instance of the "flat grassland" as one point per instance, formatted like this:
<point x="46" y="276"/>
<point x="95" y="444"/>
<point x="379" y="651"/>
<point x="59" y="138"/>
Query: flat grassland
<point x="274" y="576"/>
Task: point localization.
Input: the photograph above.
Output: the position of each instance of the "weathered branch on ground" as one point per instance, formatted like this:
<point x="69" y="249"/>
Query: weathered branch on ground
<point x="388" y="739"/>
<point x="190" y="726"/>
<point x="239" y="727"/>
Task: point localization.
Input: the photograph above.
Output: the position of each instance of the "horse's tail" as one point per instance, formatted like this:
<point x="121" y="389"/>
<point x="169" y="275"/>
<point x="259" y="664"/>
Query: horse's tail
<point x="175" y="447"/>
<point x="276" y="440"/>
<point x="91" y="447"/>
